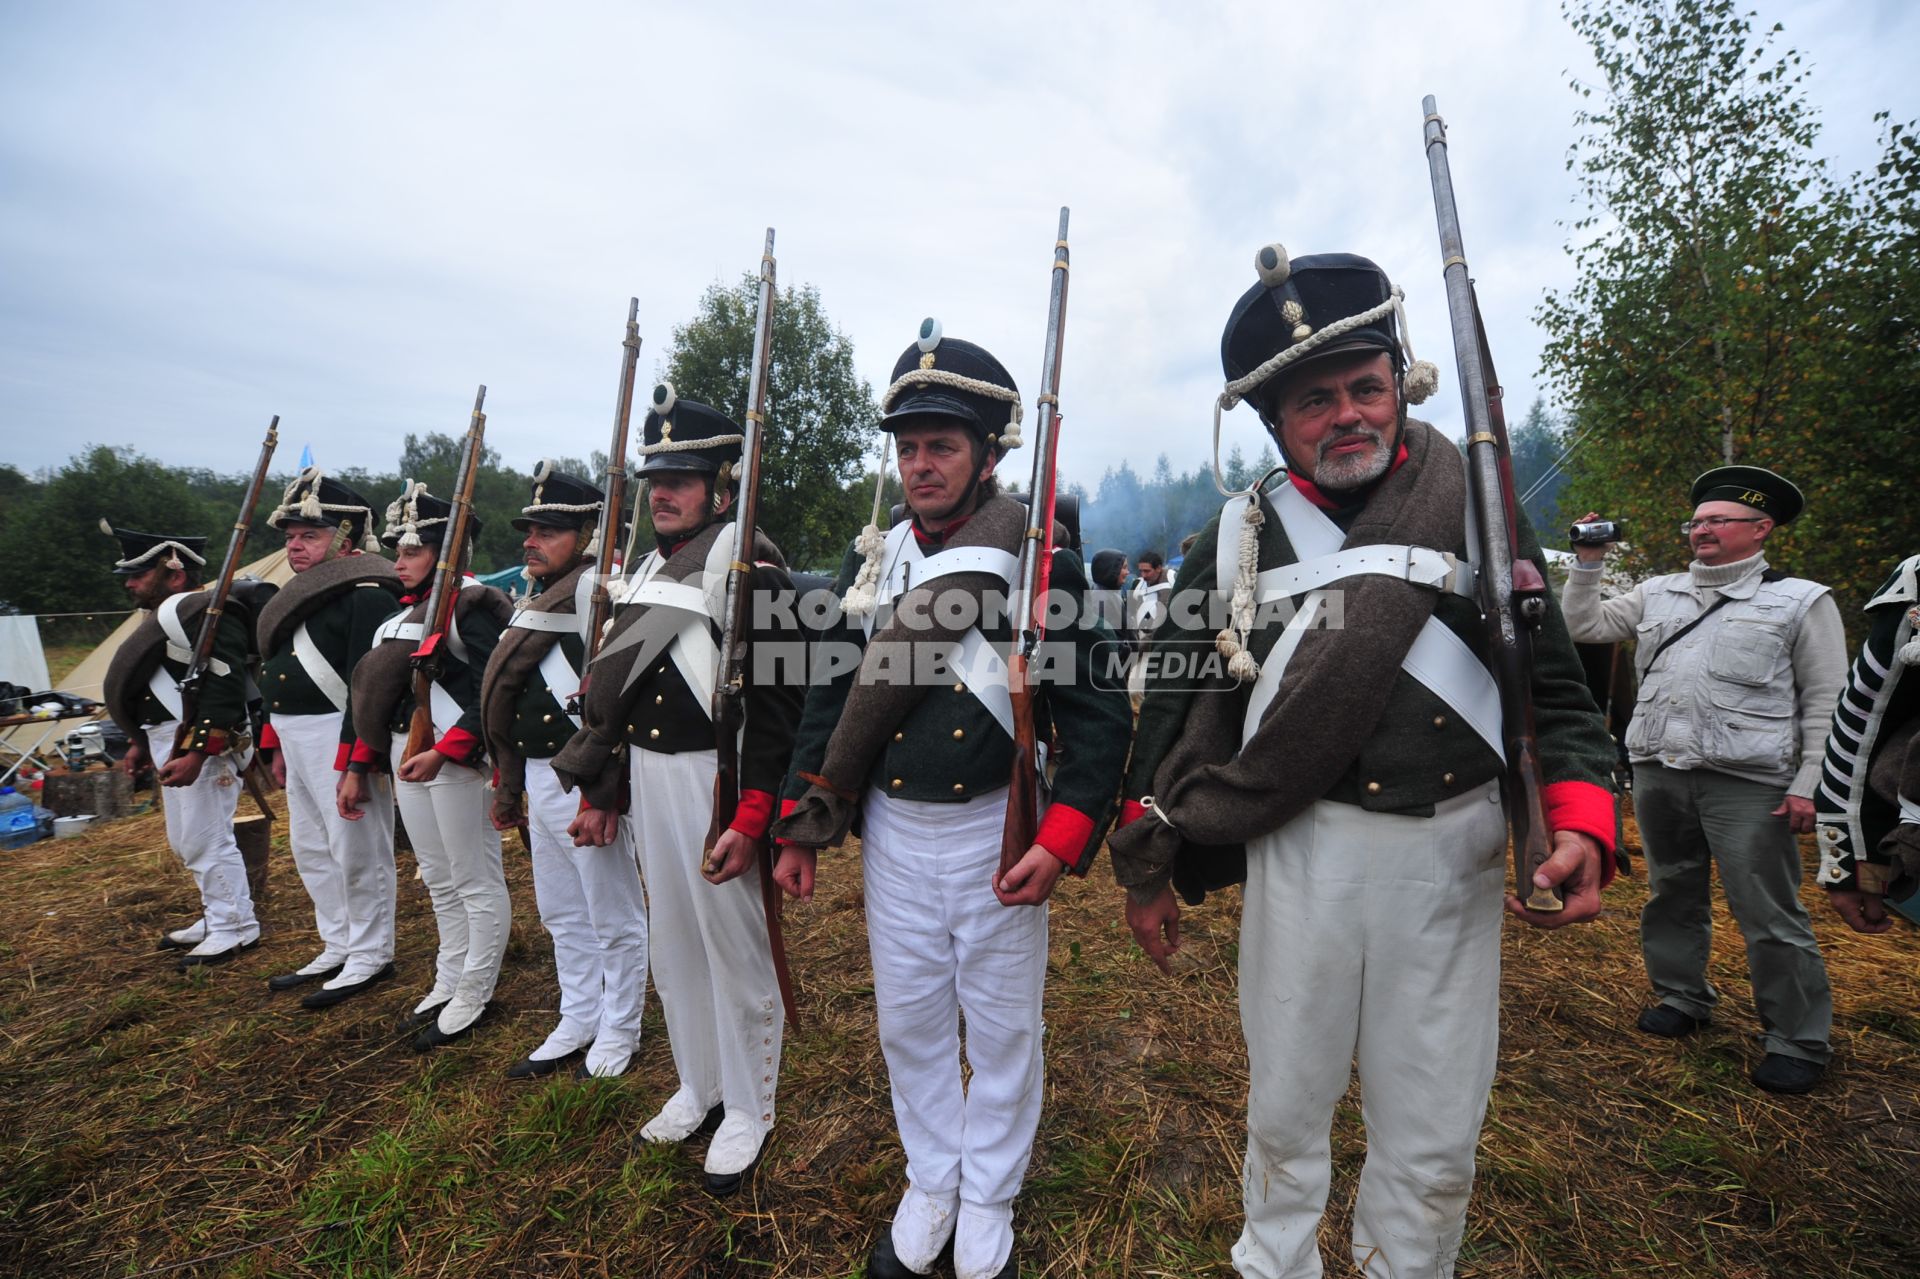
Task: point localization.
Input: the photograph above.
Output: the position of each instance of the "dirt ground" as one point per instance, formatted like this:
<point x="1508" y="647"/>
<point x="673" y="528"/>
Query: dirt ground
<point x="156" y="1123"/>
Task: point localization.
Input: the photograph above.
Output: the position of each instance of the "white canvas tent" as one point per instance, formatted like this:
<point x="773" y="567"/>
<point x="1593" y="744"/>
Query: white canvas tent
<point x="86" y="679"/>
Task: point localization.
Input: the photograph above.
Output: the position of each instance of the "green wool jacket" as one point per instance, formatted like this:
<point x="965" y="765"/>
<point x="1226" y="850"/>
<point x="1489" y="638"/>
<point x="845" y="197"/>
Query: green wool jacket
<point x="1422" y="752"/>
<point x="342" y="630"/>
<point x="479" y="632"/>
<point x="220" y="710"/>
<point x="950" y="748"/>
<point x="540" y="723"/>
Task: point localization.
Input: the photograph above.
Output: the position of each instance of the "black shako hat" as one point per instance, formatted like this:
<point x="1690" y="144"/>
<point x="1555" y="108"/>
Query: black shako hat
<point x="418" y="518"/>
<point x="141" y="551"/>
<point x="1308" y="307"/>
<point x="1771" y="495"/>
<point x="939" y="376"/>
<point x="560" y="501"/>
<point x="315" y="497"/>
<point x="686" y="435"/>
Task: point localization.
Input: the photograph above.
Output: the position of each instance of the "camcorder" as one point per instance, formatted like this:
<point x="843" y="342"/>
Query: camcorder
<point x="1596" y="532"/>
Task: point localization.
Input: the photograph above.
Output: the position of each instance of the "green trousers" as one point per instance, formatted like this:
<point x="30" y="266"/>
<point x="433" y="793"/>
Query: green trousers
<point x="1691" y="819"/>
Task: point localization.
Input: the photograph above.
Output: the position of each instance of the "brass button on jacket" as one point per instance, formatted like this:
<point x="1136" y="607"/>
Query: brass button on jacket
<point x="1373" y="788"/>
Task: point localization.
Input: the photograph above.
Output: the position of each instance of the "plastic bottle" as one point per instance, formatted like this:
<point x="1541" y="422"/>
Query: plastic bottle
<point x="18" y="826"/>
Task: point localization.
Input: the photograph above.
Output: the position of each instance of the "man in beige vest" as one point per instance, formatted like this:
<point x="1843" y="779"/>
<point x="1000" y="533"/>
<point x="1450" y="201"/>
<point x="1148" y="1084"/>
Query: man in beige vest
<point x="1740" y="666"/>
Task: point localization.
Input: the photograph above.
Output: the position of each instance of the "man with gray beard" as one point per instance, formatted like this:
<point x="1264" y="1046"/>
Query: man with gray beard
<point x="1346" y="766"/>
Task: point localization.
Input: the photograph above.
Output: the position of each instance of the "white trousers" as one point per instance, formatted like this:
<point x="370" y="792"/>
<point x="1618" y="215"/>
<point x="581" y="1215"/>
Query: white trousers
<point x="347" y="867"/>
<point x="1374" y="938"/>
<point x="200" y="828"/>
<point x="590" y="903"/>
<point x="459" y="854"/>
<point x="943" y="945"/>
<point x="712" y="963"/>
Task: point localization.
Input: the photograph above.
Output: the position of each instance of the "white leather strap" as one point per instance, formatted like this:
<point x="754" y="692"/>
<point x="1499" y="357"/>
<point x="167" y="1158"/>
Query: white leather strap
<point x="1275" y="666"/>
<point x="1442" y="661"/>
<point x="904" y="566"/>
<point x="446" y="711"/>
<point x="324" y="677"/>
<point x="179" y="647"/>
<point x="562" y="680"/>
<point x="1438" y="658"/>
<point x="984" y="673"/>
<point x="1420" y="565"/>
<point x="166" y="691"/>
<point x="551" y="623"/>
<point x="665" y="594"/>
<point x="694" y="653"/>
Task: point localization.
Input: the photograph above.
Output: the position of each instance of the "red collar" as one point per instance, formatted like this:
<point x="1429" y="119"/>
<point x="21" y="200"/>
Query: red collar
<point x="940" y="539"/>
<point x="414" y="597"/>
<point x="1312" y="493"/>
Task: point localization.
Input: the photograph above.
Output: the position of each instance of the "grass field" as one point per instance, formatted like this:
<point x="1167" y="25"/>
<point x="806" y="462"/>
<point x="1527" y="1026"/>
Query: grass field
<point x="154" y="1123"/>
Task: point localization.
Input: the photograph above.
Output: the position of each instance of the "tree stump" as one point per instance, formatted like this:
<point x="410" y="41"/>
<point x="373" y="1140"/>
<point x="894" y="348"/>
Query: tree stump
<point x="254" y="834"/>
<point x="101" y="792"/>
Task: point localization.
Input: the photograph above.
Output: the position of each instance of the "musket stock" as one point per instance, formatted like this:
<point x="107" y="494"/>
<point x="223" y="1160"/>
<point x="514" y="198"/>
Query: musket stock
<point x="1027" y="603"/>
<point x="1512" y="594"/>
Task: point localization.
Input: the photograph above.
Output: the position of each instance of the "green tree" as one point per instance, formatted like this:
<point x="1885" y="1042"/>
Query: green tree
<point x="821" y="414"/>
<point x="1537" y="479"/>
<point x="1733" y="301"/>
<point x="499" y="493"/>
<point x="57" y="558"/>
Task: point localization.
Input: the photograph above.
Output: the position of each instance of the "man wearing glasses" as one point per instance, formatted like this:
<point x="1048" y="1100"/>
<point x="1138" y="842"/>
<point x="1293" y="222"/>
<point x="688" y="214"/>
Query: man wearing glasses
<point x="1740" y="667"/>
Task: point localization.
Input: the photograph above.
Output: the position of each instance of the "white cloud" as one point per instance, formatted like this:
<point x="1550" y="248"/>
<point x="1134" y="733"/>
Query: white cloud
<point x="351" y="214"/>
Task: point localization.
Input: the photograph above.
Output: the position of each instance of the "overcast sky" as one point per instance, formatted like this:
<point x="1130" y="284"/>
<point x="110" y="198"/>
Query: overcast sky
<point x="350" y="214"/>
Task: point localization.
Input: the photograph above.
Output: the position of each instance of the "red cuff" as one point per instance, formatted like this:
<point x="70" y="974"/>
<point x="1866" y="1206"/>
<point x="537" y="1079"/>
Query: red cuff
<point x="342" y="756"/>
<point x="458" y="745"/>
<point x="753" y="814"/>
<point x="363" y="754"/>
<point x="1064" y="832"/>
<point x="1131" y="810"/>
<point x="1583" y="807"/>
<point x="269" y="740"/>
<point x="786" y="810"/>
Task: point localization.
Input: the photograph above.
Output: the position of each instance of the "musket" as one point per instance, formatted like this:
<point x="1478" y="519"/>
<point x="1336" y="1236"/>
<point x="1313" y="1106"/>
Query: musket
<point x="729" y="690"/>
<point x="1512" y="594"/>
<point x="430" y="657"/>
<point x="600" y="603"/>
<point x="222" y="590"/>
<point x="1027" y="603"/>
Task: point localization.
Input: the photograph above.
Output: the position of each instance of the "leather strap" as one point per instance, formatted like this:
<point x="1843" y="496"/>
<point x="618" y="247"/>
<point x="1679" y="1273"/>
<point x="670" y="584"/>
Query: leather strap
<point x="1439" y="659"/>
<point x="977" y="664"/>
<point x="324" y="677"/>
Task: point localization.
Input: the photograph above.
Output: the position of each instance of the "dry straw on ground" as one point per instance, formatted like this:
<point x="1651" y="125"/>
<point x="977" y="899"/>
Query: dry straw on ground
<point x="157" y="1123"/>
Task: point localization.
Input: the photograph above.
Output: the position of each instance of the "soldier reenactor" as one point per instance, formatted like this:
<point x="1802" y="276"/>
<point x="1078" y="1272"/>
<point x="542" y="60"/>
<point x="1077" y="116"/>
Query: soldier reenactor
<point x="440" y="791"/>
<point x="162" y="572"/>
<point x="589" y="898"/>
<point x="311" y="633"/>
<point x="926" y="769"/>
<point x="1868" y="802"/>
<point x="648" y="726"/>
<point x="1346" y="765"/>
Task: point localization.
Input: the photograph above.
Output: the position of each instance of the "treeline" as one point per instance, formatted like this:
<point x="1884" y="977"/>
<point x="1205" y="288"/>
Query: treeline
<point x="58" y="560"/>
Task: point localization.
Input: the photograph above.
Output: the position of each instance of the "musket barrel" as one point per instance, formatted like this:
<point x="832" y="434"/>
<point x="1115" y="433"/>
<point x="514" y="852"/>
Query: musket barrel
<point x="1482" y="453"/>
